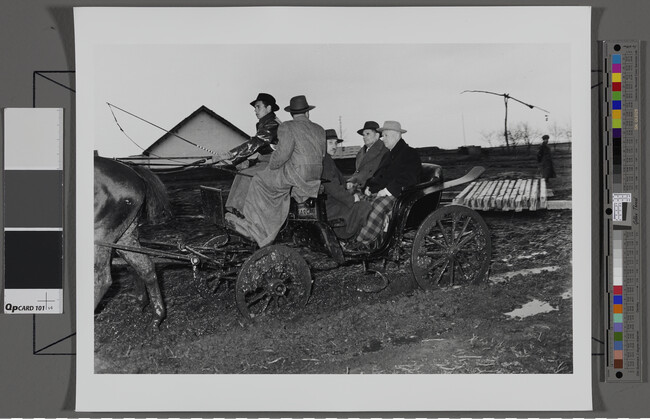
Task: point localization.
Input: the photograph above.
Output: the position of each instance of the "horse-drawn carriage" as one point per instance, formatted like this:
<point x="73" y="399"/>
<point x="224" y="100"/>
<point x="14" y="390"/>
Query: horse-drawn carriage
<point x="446" y="245"/>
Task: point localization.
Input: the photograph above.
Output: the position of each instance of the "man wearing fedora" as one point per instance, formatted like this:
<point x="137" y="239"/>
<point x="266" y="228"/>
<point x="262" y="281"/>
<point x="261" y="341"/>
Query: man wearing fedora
<point x="294" y="170"/>
<point x="368" y="158"/>
<point x="400" y="168"/>
<point x="265" y="138"/>
<point x="545" y="159"/>
<point x="266" y="128"/>
<point x="340" y="204"/>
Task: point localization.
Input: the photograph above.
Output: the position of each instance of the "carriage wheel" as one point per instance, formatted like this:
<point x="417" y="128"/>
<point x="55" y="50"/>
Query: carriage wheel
<point x="275" y="278"/>
<point x="451" y="247"/>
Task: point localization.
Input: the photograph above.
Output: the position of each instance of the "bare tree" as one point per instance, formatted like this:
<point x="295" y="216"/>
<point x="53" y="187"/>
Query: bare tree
<point x="565" y="131"/>
<point x="490" y="137"/>
<point x="555" y="131"/>
<point x="526" y="134"/>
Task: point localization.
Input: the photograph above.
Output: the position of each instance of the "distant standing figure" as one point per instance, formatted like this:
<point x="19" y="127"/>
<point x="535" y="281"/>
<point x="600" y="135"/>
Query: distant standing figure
<point x="545" y="160"/>
<point x="368" y="158"/>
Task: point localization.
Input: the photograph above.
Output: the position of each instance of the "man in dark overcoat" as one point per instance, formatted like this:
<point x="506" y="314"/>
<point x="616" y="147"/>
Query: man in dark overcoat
<point x="368" y="158"/>
<point x="400" y="168"/>
<point x="339" y="203"/>
<point x="545" y="160"/>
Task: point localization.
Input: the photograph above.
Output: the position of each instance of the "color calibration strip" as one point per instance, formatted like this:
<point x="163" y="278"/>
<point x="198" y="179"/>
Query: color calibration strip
<point x="617" y="300"/>
<point x="616" y="119"/>
<point x="622" y="211"/>
<point x="33" y="211"/>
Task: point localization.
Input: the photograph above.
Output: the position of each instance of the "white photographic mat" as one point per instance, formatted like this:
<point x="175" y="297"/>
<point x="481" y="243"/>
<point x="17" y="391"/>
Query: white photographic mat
<point x="162" y="63"/>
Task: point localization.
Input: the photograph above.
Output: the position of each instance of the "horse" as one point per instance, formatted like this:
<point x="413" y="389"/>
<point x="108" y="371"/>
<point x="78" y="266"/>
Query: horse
<point x="124" y="196"/>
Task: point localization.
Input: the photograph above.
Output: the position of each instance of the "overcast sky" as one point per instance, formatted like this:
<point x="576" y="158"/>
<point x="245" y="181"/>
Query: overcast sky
<point x="419" y="85"/>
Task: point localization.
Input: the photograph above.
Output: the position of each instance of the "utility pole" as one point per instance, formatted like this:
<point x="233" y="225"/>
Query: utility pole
<point x="506" y="97"/>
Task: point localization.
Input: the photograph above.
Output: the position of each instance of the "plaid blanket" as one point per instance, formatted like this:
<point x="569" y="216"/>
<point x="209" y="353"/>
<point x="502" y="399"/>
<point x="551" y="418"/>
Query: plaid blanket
<point x="381" y="207"/>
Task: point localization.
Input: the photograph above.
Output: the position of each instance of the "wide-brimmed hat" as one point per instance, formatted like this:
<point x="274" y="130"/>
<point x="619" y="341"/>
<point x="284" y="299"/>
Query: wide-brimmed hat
<point x="545" y="137"/>
<point x="368" y="125"/>
<point x="330" y="134"/>
<point x="268" y="99"/>
<point x="393" y="126"/>
<point x="298" y="104"/>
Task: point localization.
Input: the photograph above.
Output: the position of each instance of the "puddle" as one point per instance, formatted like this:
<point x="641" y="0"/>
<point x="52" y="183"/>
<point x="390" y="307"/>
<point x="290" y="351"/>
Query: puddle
<point x="509" y="275"/>
<point x="530" y="309"/>
<point x="373" y="346"/>
<point x="532" y="255"/>
<point x="566" y="295"/>
<point x="404" y="340"/>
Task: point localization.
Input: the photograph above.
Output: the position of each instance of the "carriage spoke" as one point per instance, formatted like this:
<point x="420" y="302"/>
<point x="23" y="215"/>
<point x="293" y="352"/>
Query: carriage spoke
<point x="437" y="262"/>
<point x="429" y="240"/>
<point x="454" y="219"/>
<point x="258" y="297"/>
<point x="461" y="269"/>
<point x="442" y="231"/>
<point x="466" y="239"/>
<point x="442" y="272"/>
<point x="462" y="232"/>
<point x="268" y="302"/>
<point x="451" y="272"/>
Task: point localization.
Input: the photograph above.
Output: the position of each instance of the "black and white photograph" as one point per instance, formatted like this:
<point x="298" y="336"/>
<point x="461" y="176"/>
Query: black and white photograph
<point x="307" y="208"/>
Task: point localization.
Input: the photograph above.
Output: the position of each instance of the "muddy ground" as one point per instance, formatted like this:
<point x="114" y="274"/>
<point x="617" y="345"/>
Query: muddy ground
<point x="401" y="329"/>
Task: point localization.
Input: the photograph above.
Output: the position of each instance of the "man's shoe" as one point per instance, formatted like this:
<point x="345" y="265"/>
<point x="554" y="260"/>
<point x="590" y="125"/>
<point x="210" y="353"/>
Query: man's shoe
<point x="355" y="247"/>
<point x="235" y="212"/>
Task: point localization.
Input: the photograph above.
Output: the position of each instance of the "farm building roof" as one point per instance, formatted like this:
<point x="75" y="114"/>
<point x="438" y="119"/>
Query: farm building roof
<point x="178" y="126"/>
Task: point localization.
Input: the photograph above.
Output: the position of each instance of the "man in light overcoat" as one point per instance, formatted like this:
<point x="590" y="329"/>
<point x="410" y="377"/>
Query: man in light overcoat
<point x="294" y="170"/>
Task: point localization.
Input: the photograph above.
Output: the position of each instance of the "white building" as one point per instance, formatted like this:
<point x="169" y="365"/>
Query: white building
<point x="204" y="134"/>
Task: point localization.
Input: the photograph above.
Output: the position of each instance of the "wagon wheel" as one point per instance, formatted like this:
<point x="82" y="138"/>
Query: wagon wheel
<point x="452" y="247"/>
<point x="275" y="278"/>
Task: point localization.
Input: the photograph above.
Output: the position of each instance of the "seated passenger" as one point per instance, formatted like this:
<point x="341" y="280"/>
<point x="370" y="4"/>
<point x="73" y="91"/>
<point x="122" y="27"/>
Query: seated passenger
<point x="339" y="203"/>
<point x="262" y="143"/>
<point x="294" y="170"/>
<point x="400" y="168"/>
<point x="368" y="158"/>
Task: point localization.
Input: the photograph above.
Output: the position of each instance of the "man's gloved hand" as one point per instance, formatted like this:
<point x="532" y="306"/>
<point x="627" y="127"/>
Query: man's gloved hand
<point x="384" y="192"/>
<point x="224" y="155"/>
<point x="243" y="165"/>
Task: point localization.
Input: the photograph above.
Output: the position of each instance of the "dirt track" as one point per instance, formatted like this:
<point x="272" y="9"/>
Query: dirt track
<point x="399" y="330"/>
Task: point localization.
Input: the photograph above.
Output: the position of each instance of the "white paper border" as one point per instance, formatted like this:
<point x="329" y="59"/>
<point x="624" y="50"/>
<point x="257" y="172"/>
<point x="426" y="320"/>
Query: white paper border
<point x="176" y="26"/>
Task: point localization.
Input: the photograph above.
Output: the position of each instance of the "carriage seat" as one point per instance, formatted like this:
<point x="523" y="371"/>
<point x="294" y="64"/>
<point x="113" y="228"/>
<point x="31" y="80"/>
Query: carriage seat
<point x="430" y="175"/>
<point x="307" y="210"/>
